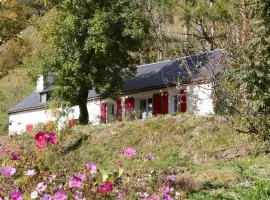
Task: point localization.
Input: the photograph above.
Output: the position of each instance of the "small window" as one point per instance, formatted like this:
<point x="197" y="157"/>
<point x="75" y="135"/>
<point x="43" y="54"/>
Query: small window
<point x="43" y="98"/>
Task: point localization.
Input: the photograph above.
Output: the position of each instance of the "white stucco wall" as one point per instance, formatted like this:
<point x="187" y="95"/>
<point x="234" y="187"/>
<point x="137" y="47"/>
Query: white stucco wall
<point x="199" y="99"/>
<point x="19" y="120"/>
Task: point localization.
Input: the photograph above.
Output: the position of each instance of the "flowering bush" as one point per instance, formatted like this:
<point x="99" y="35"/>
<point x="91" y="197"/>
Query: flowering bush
<point x="24" y="175"/>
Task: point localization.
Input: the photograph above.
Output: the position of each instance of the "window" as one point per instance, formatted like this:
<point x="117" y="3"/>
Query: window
<point x="43" y="98"/>
<point x="146" y="107"/>
<point x="176" y="103"/>
<point x="143" y="105"/>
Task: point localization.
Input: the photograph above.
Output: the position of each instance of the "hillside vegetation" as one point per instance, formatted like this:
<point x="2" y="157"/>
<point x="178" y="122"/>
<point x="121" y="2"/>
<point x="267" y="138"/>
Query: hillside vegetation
<point x="13" y="88"/>
<point x="203" y="156"/>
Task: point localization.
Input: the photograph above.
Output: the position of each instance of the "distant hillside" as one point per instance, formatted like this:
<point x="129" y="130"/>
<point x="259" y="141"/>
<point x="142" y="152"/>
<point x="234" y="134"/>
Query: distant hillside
<point x="13" y="87"/>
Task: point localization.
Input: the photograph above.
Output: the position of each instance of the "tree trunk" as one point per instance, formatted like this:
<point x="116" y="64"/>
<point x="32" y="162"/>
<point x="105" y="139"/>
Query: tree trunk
<point x="82" y="101"/>
<point x="84" y="116"/>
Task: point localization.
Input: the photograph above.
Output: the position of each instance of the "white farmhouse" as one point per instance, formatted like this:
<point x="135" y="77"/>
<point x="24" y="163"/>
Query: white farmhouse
<point x="180" y="85"/>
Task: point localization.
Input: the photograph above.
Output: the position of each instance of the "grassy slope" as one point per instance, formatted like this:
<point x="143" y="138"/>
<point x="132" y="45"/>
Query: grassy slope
<point x="215" y="159"/>
<point x="13" y="87"/>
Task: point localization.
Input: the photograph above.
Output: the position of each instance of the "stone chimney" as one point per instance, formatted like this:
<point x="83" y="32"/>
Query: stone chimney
<point x="40" y="83"/>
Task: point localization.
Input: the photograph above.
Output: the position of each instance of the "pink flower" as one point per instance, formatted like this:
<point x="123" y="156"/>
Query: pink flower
<point x="130" y="152"/>
<point x="15" y="156"/>
<point x="42" y="144"/>
<point x="15" y="195"/>
<point x="60" y="195"/>
<point x="170" y="178"/>
<point x="41" y="187"/>
<point x="165" y="192"/>
<point x="91" y="167"/>
<point x="46" y="197"/>
<point x="51" y="138"/>
<point x="8" y="171"/>
<point x="152" y="197"/>
<point x="150" y="157"/>
<point x="78" y="195"/>
<point x="105" y="188"/>
<point x="119" y="163"/>
<point x="30" y="172"/>
<point x="51" y="179"/>
<point x="76" y="180"/>
<point x="4" y="150"/>
<point x="40" y="137"/>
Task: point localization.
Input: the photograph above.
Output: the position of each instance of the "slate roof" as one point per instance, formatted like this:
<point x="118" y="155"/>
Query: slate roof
<point x="151" y="76"/>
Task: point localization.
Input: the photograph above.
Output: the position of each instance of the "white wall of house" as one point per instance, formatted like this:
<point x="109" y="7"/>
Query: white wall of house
<point x="18" y="121"/>
<point x="198" y="101"/>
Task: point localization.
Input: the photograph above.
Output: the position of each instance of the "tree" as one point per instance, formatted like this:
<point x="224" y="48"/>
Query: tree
<point x="90" y="44"/>
<point x="247" y="84"/>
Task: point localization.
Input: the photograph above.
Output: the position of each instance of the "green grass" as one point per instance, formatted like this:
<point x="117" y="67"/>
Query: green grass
<point x="206" y="156"/>
<point x="13" y="88"/>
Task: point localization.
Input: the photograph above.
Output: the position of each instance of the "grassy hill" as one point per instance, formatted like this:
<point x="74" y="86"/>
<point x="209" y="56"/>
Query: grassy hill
<point x="13" y="87"/>
<point x="204" y="157"/>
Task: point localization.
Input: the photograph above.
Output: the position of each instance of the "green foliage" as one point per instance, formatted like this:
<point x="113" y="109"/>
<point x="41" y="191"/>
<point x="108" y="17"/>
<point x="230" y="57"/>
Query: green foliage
<point x="92" y="44"/>
<point x="246" y="86"/>
<point x="13" y="88"/>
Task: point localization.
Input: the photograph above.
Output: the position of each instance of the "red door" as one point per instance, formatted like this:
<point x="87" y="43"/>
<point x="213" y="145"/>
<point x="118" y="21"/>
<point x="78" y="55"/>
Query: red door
<point x="183" y="100"/>
<point x="119" y="109"/>
<point x="160" y="103"/>
<point x="103" y="112"/>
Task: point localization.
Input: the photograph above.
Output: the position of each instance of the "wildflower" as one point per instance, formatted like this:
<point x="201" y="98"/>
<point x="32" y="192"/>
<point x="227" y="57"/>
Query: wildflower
<point x="165" y="192"/>
<point x="8" y="171"/>
<point x="46" y="197"/>
<point x="78" y="196"/>
<point x="105" y="188"/>
<point x="15" y="195"/>
<point x="40" y="137"/>
<point x="4" y="149"/>
<point x="60" y="195"/>
<point x="15" y="156"/>
<point x="41" y="187"/>
<point x="30" y="172"/>
<point x="51" y="138"/>
<point x="34" y="195"/>
<point x="91" y="167"/>
<point x="150" y="157"/>
<point x="119" y="163"/>
<point x="51" y="179"/>
<point x="170" y="178"/>
<point x="76" y="180"/>
<point x="152" y="197"/>
<point x="130" y="152"/>
<point x="41" y="145"/>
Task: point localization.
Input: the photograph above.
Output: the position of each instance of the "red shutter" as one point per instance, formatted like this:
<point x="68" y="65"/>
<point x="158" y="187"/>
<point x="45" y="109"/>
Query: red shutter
<point x="164" y="104"/>
<point x="29" y="128"/>
<point x="129" y="104"/>
<point x="160" y="103"/>
<point x="156" y="104"/>
<point x="119" y="109"/>
<point x="103" y="112"/>
<point x="183" y="100"/>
